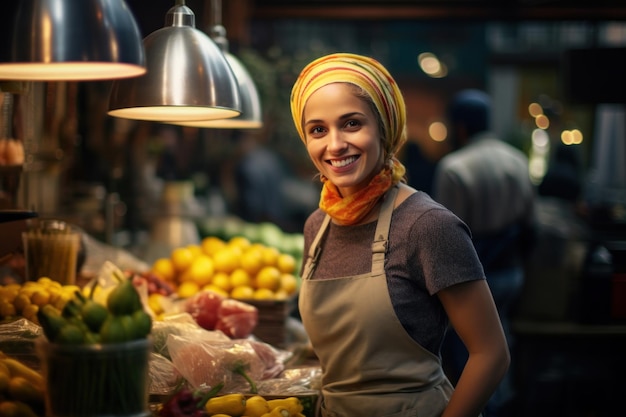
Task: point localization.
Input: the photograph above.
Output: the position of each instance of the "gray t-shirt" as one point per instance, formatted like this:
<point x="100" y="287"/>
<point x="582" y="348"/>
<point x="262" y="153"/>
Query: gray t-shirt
<point x="429" y="249"/>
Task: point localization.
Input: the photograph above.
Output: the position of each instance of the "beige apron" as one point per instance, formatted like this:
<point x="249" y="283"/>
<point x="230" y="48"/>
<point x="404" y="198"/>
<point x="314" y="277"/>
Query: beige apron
<point x="371" y="366"/>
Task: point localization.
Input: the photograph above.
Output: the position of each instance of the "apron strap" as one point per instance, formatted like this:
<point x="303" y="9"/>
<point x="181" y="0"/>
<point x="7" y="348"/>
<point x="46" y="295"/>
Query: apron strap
<point x="381" y="236"/>
<point x="314" y="250"/>
<point x="379" y="246"/>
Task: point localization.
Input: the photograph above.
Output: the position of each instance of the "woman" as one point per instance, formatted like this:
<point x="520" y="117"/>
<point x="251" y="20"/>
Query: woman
<point x="387" y="267"/>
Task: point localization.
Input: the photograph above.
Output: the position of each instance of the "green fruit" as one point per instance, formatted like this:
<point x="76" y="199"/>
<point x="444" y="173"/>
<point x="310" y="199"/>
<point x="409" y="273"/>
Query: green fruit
<point x="124" y="299"/>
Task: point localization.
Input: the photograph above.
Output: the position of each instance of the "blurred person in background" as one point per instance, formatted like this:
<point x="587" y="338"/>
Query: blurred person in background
<point x="387" y="268"/>
<point x="485" y="182"/>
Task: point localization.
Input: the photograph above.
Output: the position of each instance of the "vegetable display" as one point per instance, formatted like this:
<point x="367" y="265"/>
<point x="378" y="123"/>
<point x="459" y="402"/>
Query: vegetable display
<point x="95" y="356"/>
<point x="21" y="389"/>
<point x="85" y="321"/>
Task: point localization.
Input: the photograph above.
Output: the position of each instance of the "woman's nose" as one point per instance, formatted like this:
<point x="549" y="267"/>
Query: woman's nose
<point x="336" y="142"/>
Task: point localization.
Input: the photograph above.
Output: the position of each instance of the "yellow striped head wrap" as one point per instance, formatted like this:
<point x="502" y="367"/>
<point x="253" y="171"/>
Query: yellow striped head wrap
<point x="371" y="77"/>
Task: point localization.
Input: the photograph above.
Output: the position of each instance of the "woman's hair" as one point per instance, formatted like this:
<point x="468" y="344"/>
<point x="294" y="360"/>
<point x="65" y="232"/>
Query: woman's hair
<point x="375" y="85"/>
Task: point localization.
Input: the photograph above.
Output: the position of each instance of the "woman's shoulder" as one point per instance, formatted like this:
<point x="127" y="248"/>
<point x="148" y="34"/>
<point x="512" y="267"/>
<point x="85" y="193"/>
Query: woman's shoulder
<point x="415" y="201"/>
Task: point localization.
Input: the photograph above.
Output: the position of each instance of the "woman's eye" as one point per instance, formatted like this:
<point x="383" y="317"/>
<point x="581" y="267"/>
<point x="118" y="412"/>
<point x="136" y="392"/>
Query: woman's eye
<point x="352" y="123"/>
<point x="316" y="131"/>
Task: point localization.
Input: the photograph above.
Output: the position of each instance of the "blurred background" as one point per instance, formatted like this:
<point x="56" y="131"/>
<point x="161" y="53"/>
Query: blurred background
<point x="556" y="72"/>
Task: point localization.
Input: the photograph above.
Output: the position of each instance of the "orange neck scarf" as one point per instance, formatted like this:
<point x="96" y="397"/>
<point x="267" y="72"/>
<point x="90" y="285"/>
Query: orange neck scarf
<point x="352" y="209"/>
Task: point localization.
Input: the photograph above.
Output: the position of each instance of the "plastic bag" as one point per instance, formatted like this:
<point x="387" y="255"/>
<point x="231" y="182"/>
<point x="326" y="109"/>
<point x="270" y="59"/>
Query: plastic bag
<point x="204" y="360"/>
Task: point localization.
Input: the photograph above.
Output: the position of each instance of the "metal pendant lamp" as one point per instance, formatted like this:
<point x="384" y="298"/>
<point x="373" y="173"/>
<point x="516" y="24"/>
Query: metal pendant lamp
<point x="251" y="112"/>
<point x="73" y="40"/>
<point x="188" y="77"/>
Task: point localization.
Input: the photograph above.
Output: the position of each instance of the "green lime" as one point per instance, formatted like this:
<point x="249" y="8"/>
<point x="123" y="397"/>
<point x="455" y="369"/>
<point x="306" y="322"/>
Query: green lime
<point x="70" y="334"/>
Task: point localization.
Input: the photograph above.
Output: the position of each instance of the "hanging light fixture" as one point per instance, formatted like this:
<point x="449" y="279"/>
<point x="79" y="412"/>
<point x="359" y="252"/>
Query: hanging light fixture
<point x="251" y="114"/>
<point x="62" y="40"/>
<point x="188" y="77"/>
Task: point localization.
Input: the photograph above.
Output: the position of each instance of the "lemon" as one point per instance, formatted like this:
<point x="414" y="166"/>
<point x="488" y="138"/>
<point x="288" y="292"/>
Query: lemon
<point x="263" y="294"/>
<point x="221" y="280"/>
<point x="226" y="259"/>
<point x="187" y="289"/>
<point x="201" y="270"/>
<point x="212" y="244"/>
<point x="270" y="255"/>
<point x="240" y="277"/>
<point x="164" y="269"/>
<point x="281" y="295"/>
<point x="242" y="292"/>
<point x="216" y="290"/>
<point x="269" y="278"/>
<point x="181" y="258"/>
<point x="288" y="283"/>
<point x="154" y="302"/>
<point x="251" y="260"/>
<point x="241" y="242"/>
<point x="196" y="250"/>
<point x="40" y="297"/>
<point x="286" y="263"/>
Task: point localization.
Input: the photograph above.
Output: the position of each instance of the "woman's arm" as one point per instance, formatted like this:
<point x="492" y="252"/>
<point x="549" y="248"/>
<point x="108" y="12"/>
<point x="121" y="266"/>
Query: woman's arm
<point x="473" y="315"/>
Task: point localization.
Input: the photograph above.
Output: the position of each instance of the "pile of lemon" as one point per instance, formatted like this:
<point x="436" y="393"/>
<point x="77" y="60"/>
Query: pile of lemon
<point x="235" y="268"/>
<point x="24" y="300"/>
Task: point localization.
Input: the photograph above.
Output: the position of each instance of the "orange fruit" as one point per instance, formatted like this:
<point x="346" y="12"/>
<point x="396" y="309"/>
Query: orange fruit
<point x="181" y="258"/>
<point x="211" y="244"/>
<point x="164" y="269"/>
<point x="242" y="292"/>
<point x="226" y="259"/>
<point x="269" y="278"/>
<point x="286" y="263"/>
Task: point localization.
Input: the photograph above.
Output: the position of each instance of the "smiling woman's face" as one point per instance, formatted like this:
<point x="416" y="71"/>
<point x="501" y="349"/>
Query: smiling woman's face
<point x="343" y="137"/>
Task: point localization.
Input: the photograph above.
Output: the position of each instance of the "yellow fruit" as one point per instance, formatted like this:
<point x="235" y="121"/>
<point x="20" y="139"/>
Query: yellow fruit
<point x="281" y="295"/>
<point x="154" y="302"/>
<point x="40" y="297"/>
<point x="7" y="309"/>
<point x="226" y="259"/>
<point x="196" y="250"/>
<point x="187" y="289"/>
<point x="288" y="283"/>
<point x="240" y="277"/>
<point x="268" y="277"/>
<point x="251" y="260"/>
<point x="182" y="258"/>
<point x="241" y="242"/>
<point x="212" y="244"/>
<point x="270" y="255"/>
<point x="263" y="294"/>
<point x="222" y="281"/>
<point x="242" y="292"/>
<point x="256" y="406"/>
<point x="164" y="269"/>
<point x="201" y="270"/>
<point x="286" y="263"/>
<point x="215" y="289"/>
<point x="21" y="301"/>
